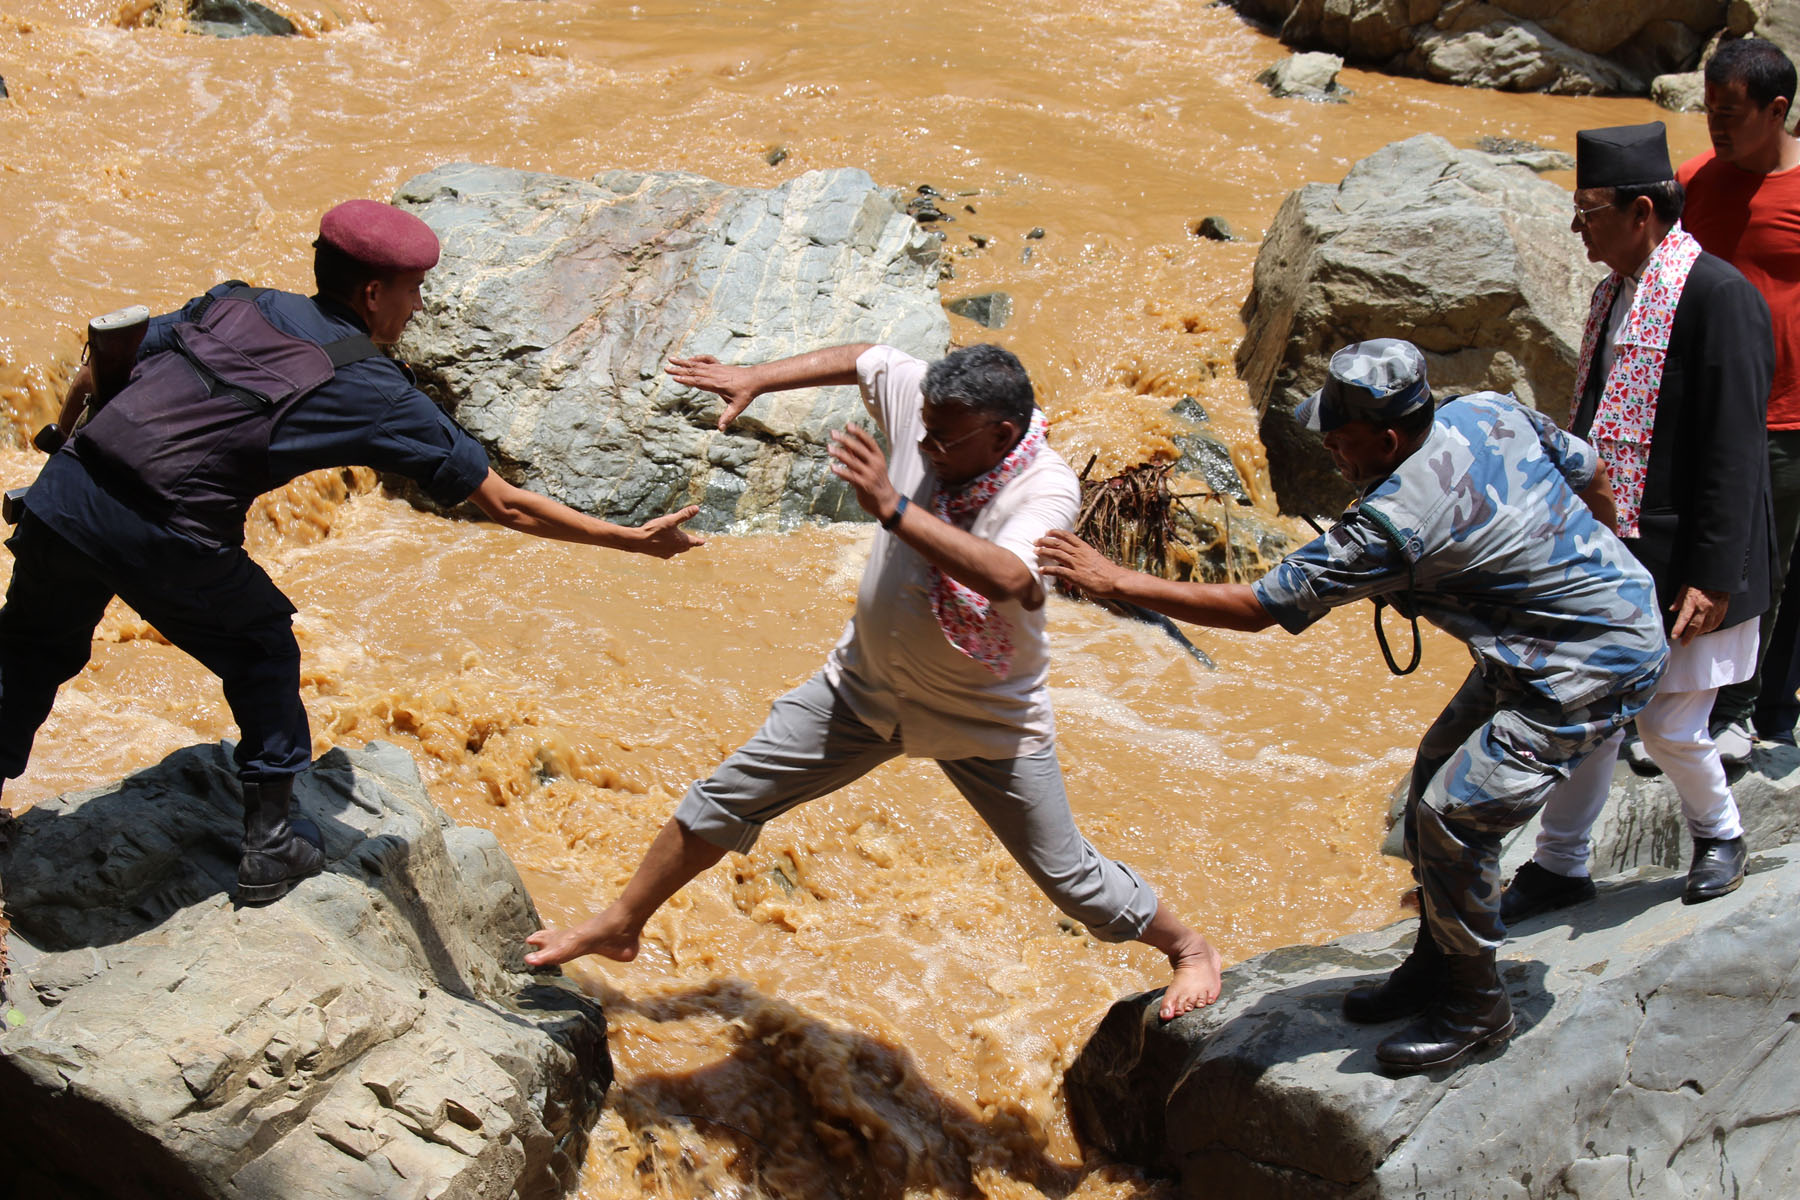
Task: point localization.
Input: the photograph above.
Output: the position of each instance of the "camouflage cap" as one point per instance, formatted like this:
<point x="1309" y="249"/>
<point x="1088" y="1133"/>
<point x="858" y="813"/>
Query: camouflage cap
<point x="1379" y="380"/>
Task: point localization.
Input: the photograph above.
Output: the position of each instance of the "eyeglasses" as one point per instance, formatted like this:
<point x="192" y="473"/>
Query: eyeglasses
<point x="931" y="443"/>
<point x="1581" y="214"/>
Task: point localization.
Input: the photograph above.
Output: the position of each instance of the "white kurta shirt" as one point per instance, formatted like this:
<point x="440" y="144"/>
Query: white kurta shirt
<point x="893" y="664"/>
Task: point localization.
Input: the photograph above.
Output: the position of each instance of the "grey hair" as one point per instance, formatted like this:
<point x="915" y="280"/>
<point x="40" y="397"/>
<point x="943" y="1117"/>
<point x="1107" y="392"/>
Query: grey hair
<point x="986" y="379"/>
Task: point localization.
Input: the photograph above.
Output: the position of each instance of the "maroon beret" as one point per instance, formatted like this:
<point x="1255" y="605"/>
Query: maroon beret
<point x="380" y="236"/>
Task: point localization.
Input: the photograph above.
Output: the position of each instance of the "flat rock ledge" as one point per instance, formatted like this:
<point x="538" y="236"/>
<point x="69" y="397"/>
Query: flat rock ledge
<point x="1656" y="1057"/>
<point x="558" y="301"/>
<point x="371" y="1034"/>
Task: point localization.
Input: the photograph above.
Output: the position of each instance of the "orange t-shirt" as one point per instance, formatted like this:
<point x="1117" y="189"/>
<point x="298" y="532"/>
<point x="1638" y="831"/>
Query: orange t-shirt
<point x="1753" y="222"/>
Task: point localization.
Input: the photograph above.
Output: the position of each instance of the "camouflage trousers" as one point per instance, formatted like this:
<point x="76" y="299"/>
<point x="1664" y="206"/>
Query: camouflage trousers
<point x="1483" y="769"/>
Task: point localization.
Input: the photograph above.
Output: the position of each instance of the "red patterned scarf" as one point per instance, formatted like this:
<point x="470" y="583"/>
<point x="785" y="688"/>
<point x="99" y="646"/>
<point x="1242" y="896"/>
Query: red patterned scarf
<point x="966" y="616"/>
<point x="1626" y="416"/>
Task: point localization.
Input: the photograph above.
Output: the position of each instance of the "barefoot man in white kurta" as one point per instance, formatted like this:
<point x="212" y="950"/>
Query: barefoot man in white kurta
<point x="946" y="657"/>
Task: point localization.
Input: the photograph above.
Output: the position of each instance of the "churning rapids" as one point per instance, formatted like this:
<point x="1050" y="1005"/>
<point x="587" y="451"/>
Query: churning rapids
<point x="876" y="1002"/>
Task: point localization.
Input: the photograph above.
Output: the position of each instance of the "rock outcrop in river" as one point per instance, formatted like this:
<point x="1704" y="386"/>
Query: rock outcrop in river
<point x="1518" y="45"/>
<point x="1467" y="256"/>
<point x="548" y="322"/>
<point x="368" y="1035"/>
<point x="1655" y="1056"/>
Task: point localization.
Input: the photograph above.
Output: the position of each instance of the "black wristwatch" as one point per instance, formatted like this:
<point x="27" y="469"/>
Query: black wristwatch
<point x="899" y="511"/>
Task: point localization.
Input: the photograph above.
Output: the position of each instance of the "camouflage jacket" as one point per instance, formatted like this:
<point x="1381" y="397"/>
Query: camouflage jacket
<point x="1487" y="539"/>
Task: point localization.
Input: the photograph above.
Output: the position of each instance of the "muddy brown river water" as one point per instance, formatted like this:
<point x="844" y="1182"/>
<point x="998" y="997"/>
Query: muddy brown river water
<point x="876" y="1002"/>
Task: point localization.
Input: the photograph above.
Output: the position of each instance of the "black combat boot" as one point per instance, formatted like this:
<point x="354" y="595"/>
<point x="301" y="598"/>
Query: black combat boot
<point x="1474" y="1012"/>
<point x="278" y="851"/>
<point x="1415" y="983"/>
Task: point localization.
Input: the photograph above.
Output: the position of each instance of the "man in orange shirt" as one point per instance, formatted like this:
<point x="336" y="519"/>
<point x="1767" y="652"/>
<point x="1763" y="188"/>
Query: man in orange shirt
<point x="1743" y="204"/>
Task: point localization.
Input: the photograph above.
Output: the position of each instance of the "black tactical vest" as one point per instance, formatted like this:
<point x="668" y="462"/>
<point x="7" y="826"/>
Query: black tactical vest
<point x="186" y="441"/>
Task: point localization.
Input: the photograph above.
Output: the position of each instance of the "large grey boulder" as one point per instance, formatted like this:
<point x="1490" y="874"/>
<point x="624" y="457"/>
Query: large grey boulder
<point x="1469" y="257"/>
<point x="557" y="302"/>
<point x="1655" y="1058"/>
<point x="371" y="1034"/>
<point x="1518" y="45"/>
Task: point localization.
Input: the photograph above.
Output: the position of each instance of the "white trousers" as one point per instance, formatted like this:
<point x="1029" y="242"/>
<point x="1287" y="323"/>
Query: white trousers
<point x="1673" y="729"/>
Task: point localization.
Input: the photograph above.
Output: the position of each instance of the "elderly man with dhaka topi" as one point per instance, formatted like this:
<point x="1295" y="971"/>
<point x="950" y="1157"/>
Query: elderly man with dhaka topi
<point x="1743" y="204"/>
<point x="945" y="658"/>
<point x="1673" y="390"/>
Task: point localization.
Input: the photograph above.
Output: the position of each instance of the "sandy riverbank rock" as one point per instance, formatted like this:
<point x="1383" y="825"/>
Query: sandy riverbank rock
<point x="1467" y="256"/>
<point x="1655" y="1057"/>
<point x="548" y="322"/>
<point x="368" y="1035"/>
<point x="1518" y="45"/>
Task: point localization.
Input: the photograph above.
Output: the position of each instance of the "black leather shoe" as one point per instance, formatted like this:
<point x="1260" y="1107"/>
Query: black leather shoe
<point x="1412" y="987"/>
<point x="1473" y="1013"/>
<point x="1717" y="870"/>
<point x="1536" y="889"/>
<point x="278" y="852"/>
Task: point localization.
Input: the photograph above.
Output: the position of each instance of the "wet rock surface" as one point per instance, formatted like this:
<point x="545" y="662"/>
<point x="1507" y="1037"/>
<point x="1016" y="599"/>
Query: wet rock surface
<point x="236" y="18"/>
<point x="1469" y="258"/>
<point x="557" y="302"/>
<point x="989" y="309"/>
<point x="371" y="1034"/>
<point x="1655" y="1057"/>
<point x="1311" y="76"/>
<point x="1517" y="45"/>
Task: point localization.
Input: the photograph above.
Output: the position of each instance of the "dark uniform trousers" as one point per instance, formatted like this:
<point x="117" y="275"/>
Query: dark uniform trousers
<point x="222" y="609"/>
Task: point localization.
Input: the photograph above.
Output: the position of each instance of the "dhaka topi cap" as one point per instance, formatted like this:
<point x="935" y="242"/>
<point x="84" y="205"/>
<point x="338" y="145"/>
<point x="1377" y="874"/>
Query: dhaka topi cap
<point x="1379" y="380"/>
<point x="1622" y="156"/>
<point x="380" y="236"/>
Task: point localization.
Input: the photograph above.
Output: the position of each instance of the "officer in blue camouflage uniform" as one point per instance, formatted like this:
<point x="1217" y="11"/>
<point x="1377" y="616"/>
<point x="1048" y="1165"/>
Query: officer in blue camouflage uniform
<point x="1481" y="518"/>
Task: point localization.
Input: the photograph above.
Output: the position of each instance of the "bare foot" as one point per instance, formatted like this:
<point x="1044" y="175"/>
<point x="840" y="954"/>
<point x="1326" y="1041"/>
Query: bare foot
<point x="1196" y="983"/>
<point x="602" y="935"/>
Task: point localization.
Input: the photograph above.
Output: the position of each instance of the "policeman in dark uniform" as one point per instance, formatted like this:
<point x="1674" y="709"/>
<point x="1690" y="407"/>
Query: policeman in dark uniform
<point x="238" y="392"/>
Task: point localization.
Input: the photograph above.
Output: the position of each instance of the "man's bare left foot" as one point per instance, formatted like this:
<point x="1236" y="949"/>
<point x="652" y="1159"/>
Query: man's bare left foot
<point x="597" y="935"/>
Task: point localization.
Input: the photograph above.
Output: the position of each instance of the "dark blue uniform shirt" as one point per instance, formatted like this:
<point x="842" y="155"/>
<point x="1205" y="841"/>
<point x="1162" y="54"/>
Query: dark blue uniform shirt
<point x="368" y="414"/>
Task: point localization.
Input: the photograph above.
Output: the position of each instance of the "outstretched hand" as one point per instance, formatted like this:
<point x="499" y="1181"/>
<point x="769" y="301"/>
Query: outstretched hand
<point x="1065" y="557"/>
<point x="663" y="537"/>
<point x="856" y="458"/>
<point x="731" y="384"/>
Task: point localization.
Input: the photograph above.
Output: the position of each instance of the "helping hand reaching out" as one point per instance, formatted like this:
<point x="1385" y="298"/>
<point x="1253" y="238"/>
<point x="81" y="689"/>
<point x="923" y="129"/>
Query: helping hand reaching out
<point x="663" y="537"/>
<point x="734" y="385"/>
<point x="1068" y="559"/>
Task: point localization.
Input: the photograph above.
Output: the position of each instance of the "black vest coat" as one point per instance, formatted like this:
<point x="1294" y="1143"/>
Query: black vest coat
<point x="1707" y="518"/>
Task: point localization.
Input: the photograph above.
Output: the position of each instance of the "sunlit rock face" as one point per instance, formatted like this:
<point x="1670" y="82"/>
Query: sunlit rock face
<point x="371" y="1033"/>
<point x="558" y="301"/>
<point x="1467" y="255"/>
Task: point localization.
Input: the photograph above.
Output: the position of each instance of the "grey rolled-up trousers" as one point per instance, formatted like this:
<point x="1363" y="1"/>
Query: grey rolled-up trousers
<point x="813" y="743"/>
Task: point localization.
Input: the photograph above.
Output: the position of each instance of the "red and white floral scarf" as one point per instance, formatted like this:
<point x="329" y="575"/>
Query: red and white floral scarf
<point x="966" y="616"/>
<point x="1626" y="415"/>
